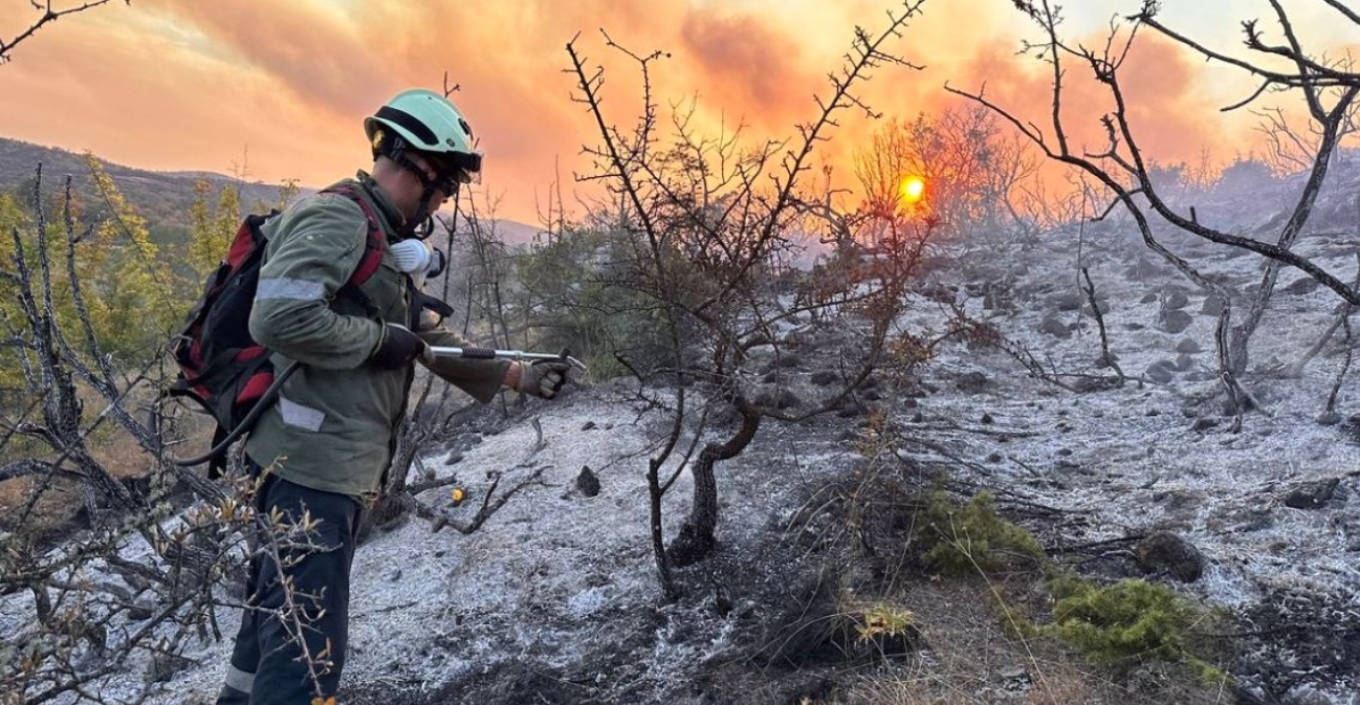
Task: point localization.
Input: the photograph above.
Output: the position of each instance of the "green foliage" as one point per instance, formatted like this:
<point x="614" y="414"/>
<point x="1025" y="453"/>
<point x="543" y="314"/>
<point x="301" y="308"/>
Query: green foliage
<point x="1128" y="622"/>
<point x="211" y="230"/>
<point x="972" y="538"/>
<point x="12" y="217"/>
<point x="577" y="298"/>
<point x="133" y="298"/>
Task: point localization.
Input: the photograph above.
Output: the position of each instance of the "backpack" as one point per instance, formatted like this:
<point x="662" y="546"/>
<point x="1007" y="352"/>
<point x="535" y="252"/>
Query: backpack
<point x="221" y="367"/>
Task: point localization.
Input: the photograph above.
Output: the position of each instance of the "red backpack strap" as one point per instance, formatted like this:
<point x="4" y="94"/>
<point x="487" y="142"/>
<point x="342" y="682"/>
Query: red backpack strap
<point x="377" y="238"/>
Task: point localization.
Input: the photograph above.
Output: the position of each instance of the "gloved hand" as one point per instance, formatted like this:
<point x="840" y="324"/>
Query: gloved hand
<point x="398" y="348"/>
<point x="543" y="378"/>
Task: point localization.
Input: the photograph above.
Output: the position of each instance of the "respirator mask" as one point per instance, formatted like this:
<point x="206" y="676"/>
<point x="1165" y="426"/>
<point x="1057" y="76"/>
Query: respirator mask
<point x="419" y="259"/>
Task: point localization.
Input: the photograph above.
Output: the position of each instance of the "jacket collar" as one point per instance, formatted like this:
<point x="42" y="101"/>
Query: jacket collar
<point x="381" y="201"/>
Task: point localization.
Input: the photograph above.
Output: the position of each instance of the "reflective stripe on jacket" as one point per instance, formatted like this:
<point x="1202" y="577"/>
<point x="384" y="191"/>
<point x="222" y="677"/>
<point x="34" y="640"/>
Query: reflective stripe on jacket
<point x="332" y="426"/>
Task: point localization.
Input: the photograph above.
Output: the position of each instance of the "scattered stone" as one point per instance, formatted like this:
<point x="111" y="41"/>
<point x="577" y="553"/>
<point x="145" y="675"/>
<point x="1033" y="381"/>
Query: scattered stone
<point x="823" y="378"/>
<point x="1054" y="327"/>
<point x="589" y="426"/>
<point x="987" y="418"/>
<point x="1064" y="451"/>
<point x="779" y="399"/>
<point x="994" y="457"/>
<point x="164" y="666"/>
<point x="1188" y="346"/>
<point x="587" y="482"/>
<point x="1066" y="301"/>
<point x="1213" y="306"/>
<point x="1312" y="495"/>
<point x="1298" y="287"/>
<point x="1102" y="305"/>
<point x="453" y="457"/>
<point x="1161" y="372"/>
<point x="141" y="611"/>
<point x="1149" y="297"/>
<point x="1153" y="412"/>
<point x="1174" y="321"/>
<point x="1175" y="300"/>
<point x="1328" y="418"/>
<point x="971" y="382"/>
<point x="1204" y="423"/>
<point x="1184" y="362"/>
<point x="1165" y="551"/>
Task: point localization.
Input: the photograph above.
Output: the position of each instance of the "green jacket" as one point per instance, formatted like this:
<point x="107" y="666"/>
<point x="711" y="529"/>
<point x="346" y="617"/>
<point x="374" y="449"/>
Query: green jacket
<point x="332" y="426"/>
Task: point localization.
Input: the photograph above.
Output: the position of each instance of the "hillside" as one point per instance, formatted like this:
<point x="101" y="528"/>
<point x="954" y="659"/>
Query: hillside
<point x="163" y="198"/>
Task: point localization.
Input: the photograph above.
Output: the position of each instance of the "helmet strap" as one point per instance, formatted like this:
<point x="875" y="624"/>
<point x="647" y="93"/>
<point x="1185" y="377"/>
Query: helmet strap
<point x="421" y="223"/>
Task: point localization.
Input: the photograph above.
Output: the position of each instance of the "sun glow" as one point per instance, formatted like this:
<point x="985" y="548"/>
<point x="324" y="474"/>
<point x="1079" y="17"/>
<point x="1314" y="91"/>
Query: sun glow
<point x="912" y="189"/>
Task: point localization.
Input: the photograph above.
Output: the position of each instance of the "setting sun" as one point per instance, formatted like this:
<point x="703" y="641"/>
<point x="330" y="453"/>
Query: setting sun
<point x="913" y="189"/>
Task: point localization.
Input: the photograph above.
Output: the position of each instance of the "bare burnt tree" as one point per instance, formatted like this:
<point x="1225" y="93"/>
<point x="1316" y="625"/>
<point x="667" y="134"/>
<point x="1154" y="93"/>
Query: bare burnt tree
<point x="1291" y="149"/>
<point x="707" y="223"/>
<point x="970" y="168"/>
<point x="1122" y="167"/>
<point x="48" y="15"/>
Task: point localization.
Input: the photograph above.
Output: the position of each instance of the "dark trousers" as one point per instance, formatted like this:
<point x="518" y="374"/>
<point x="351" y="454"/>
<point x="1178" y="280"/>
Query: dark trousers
<point x="268" y="667"/>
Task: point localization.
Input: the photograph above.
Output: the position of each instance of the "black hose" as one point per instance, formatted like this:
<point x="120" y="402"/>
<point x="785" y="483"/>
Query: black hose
<point x="241" y="428"/>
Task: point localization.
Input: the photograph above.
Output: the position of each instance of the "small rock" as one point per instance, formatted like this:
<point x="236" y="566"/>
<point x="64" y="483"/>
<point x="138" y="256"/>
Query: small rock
<point x="1213" y="306"/>
<point x="994" y="457"/>
<point x="971" y="382"/>
<point x="1163" y="550"/>
<point x="987" y="418"/>
<point x="1066" y="301"/>
<point x="1161" y="372"/>
<point x="1304" y="285"/>
<point x="823" y="378"/>
<point x="587" y="482"/>
<point x="589" y="426"/>
<point x="1188" y="346"/>
<point x="141" y="611"/>
<point x="164" y="666"/>
<point x="1328" y="418"/>
<point x="1204" y="423"/>
<point x="1148" y="298"/>
<point x="1311" y="495"/>
<point x="1174" y="321"/>
<point x="1054" y="327"/>
<point x="1175" y="300"/>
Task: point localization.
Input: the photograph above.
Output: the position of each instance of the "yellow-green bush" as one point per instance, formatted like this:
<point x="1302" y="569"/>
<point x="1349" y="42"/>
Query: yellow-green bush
<point x="971" y="538"/>
<point x="1127" y="622"/>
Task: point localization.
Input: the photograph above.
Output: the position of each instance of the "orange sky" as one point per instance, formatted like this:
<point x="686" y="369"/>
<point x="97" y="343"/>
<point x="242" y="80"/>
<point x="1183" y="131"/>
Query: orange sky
<point x="201" y="84"/>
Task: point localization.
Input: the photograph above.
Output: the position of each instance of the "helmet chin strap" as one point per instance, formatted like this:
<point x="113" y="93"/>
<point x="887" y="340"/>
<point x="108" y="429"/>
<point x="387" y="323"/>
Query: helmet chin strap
<point x="423" y="218"/>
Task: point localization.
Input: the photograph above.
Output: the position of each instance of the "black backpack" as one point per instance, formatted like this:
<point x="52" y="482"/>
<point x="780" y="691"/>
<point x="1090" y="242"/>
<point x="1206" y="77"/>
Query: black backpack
<point x="221" y="366"/>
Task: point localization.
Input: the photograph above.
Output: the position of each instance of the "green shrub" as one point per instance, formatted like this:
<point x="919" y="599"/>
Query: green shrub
<point x="966" y="539"/>
<point x="1128" y="622"/>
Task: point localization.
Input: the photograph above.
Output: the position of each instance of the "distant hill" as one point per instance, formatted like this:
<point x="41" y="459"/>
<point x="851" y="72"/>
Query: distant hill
<point x="162" y="197"/>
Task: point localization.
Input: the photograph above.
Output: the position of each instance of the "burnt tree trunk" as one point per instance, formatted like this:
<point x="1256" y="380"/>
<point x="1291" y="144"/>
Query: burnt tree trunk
<point x="696" y="538"/>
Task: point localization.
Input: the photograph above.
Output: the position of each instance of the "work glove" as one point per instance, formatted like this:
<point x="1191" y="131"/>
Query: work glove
<point x="398" y="348"/>
<point x="543" y="378"/>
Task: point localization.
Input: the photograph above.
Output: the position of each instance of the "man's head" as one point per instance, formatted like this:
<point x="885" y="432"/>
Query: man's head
<point x="426" y="136"/>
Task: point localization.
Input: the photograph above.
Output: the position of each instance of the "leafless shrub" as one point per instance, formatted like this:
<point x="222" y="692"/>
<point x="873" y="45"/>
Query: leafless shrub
<point x="1329" y="91"/>
<point x="709" y="225"/>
